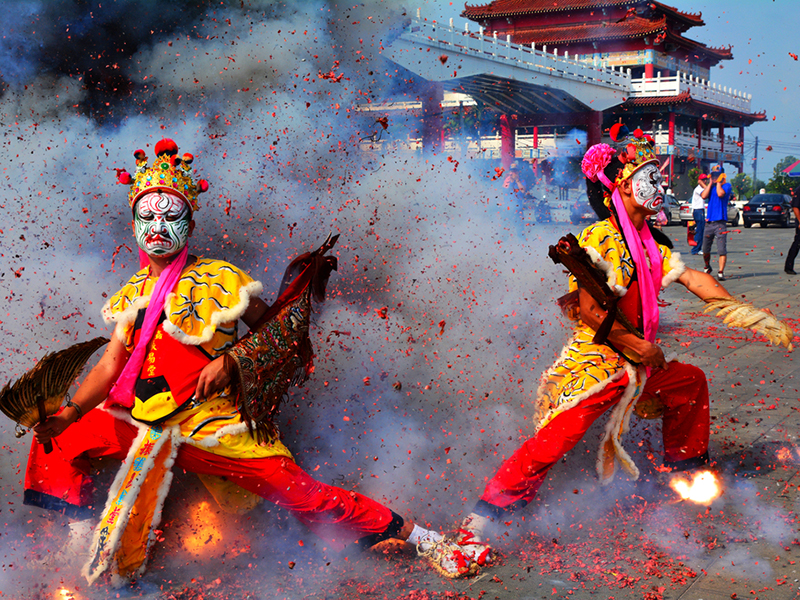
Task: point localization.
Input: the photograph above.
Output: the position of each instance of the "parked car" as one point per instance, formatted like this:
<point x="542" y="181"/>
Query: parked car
<point x="581" y="211"/>
<point x="769" y="208"/>
<point x="686" y="213"/>
<point x="672" y="210"/>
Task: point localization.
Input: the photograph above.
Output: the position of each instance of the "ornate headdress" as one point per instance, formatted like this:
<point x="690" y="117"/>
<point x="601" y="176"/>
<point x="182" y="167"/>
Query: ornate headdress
<point x="169" y="173"/>
<point x="636" y="150"/>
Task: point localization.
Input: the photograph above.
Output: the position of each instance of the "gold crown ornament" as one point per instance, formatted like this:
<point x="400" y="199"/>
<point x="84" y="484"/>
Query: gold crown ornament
<point x="168" y="173"/>
<point x="637" y="150"/>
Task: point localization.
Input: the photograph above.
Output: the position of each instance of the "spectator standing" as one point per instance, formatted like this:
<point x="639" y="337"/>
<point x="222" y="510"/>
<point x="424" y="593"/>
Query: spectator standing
<point x="718" y="193"/>
<point x="699" y="212"/>
<point x="795" y="247"/>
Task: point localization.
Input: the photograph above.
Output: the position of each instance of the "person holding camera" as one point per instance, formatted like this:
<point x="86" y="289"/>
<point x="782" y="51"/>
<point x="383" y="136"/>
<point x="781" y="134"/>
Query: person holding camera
<point x="718" y="193"/>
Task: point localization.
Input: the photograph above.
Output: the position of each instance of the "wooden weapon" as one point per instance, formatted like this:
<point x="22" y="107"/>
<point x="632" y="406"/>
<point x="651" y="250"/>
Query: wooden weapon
<point x="569" y="253"/>
<point x="39" y="392"/>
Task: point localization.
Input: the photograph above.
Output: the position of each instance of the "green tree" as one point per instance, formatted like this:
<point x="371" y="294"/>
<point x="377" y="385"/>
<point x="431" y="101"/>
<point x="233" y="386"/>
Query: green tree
<point x="780" y="182"/>
<point x="758" y="185"/>
<point x="694" y="173"/>
<point x="742" y="185"/>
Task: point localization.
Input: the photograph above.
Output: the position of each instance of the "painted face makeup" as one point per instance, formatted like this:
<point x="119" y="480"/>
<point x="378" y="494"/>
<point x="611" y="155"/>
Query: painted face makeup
<point x="646" y="188"/>
<point x="161" y="224"/>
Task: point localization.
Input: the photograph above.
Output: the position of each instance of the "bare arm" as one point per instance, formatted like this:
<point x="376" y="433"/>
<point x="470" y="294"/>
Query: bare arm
<point x="706" y="190"/>
<point x="214" y="376"/>
<point x="592" y="315"/>
<point x="93" y="391"/>
<point x="702" y="285"/>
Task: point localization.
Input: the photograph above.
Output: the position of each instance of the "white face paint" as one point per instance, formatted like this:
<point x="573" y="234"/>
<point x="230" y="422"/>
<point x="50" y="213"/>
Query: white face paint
<point x="646" y="188"/>
<point x="161" y="223"/>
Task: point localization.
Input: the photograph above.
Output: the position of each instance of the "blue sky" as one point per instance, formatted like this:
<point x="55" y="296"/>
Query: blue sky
<point x="763" y="33"/>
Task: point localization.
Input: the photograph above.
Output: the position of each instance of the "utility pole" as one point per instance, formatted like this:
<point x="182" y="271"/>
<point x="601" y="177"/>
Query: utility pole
<point x="755" y="163"/>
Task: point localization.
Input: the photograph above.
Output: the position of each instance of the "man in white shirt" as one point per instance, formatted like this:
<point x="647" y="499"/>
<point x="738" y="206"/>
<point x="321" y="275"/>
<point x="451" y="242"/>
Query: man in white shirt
<point x="699" y="213"/>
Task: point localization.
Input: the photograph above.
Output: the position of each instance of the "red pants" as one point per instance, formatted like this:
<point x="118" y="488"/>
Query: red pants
<point x="681" y="388"/>
<point x="61" y="481"/>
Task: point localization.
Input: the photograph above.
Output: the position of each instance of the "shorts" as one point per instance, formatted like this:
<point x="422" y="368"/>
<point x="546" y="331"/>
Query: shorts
<point x="719" y="230"/>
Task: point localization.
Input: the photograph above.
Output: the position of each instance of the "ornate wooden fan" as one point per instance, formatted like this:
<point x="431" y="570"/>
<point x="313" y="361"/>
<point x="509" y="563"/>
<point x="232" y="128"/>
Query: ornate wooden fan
<point x="40" y="391"/>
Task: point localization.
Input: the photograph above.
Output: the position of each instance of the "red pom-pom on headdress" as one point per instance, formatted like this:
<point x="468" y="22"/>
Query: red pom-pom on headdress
<point x="166" y="146"/>
<point x="618" y="132"/>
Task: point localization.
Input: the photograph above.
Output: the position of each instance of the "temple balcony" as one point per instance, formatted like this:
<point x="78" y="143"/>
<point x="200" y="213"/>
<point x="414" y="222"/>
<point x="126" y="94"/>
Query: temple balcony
<point x="551" y="146"/>
<point x="520" y="79"/>
<point x="700" y="90"/>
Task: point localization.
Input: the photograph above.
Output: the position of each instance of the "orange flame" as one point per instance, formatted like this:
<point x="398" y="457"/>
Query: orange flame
<point x="64" y="594"/>
<point x="703" y="489"/>
<point x="204" y="532"/>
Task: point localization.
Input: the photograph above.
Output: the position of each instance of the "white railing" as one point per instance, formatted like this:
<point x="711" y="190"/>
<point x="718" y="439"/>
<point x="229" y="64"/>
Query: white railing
<point x="686" y="138"/>
<point x="543" y="59"/>
<point x="549" y="145"/>
<point x="700" y="89"/>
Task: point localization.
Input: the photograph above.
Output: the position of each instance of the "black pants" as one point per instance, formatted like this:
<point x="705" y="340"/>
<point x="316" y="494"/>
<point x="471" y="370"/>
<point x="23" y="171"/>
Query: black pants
<point x="793" y="249"/>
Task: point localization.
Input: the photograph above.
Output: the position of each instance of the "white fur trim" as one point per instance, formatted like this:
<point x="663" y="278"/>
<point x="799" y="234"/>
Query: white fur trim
<point x="608" y="269"/>
<point x="213" y="440"/>
<point x="161" y="496"/>
<point x="127" y="504"/>
<point x="676" y="269"/>
<point x="112" y="493"/>
<point x="598" y="387"/>
<point x="229" y="315"/>
<point x="617" y="425"/>
<point x="125" y="317"/>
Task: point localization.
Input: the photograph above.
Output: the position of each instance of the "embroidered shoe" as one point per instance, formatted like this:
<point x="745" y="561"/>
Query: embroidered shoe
<point x="474" y="548"/>
<point x="447" y="557"/>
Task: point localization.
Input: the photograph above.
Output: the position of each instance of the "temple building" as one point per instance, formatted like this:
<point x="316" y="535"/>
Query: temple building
<point x="675" y="102"/>
<point x="635" y="49"/>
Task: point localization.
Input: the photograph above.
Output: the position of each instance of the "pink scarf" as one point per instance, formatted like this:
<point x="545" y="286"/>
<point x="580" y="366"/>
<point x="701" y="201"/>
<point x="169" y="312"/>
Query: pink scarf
<point x="122" y="392"/>
<point x="648" y="286"/>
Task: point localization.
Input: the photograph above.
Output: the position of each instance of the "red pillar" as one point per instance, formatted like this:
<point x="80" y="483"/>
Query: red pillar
<point x="507" y="141"/>
<point x="432" y="123"/>
<point x="536" y="136"/>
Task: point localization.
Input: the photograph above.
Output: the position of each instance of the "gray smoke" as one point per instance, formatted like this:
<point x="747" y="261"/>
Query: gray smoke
<point x="435" y="292"/>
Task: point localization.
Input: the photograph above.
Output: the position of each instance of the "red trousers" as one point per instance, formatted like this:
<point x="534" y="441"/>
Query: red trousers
<point x="681" y="388"/>
<point x="61" y="481"/>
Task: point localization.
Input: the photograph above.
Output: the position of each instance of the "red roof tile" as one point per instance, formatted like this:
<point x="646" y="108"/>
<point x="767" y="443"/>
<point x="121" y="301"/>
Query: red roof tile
<point x="632" y="27"/>
<point x="659" y="100"/>
<point x="510" y="8"/>
<point x="686" y="97"/>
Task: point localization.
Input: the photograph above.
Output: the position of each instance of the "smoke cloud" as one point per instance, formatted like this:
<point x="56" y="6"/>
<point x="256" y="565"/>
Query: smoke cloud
<point x="437" y="325"/>
<point x="440" y="319"/>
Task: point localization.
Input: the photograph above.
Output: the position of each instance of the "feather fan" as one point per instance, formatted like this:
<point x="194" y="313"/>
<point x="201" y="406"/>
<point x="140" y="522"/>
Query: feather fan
<point x="49" y="381"/>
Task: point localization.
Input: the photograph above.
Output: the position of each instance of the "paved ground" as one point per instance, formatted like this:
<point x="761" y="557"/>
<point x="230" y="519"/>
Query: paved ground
<point x="577" y="541"/>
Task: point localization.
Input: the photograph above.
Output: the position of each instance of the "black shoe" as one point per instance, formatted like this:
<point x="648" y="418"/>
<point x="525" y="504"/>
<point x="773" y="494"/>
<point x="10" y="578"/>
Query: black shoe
<point x="789" y="272"/>
<point x="707" y="270"/>
<point x="721" y="276"/>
